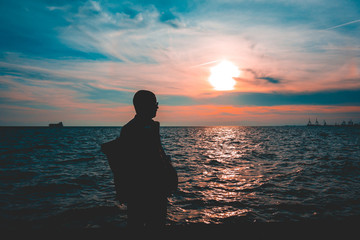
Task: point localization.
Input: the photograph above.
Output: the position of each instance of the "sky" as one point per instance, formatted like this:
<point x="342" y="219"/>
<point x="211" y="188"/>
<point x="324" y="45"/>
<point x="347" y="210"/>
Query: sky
<point x="80" y="62"/>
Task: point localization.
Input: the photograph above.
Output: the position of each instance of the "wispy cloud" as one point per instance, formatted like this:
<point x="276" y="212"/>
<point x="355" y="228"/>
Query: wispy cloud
<point x="344" y="24"/>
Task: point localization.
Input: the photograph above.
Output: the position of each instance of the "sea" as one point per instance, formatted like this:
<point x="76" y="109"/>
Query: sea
<point x="59" y="178"/>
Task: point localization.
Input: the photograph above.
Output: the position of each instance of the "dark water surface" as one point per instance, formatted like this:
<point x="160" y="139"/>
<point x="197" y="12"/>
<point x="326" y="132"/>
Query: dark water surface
<point x="59" y="177"/>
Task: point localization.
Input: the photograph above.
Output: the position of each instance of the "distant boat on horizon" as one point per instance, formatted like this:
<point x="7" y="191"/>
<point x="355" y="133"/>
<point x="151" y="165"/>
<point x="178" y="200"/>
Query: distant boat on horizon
<point x="311" y="124"/>
<point x="56" y="125"/>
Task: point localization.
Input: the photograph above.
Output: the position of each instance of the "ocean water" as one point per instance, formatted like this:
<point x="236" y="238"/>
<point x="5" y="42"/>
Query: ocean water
<point x="59" y="177"/>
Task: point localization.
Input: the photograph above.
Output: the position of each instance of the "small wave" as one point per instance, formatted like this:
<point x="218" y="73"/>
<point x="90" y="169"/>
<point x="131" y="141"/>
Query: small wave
<point x="16" y="175"/>
<point x="78" y="160"/>
<point x="300" y="192"/>
<point x="213" y="163"/>
<point x="82" y="218"/>
<point x="323" y="134"/>
<point x="192" y="203"/>
<point x="26" y="149"/>
<point x="42" y="147"/>
<point x="91" y="211"/>
<point x="84" y="180"/>
<point x="295" y="210"/>
<point x="257" y="188"/>
<point x="50" y="188"/>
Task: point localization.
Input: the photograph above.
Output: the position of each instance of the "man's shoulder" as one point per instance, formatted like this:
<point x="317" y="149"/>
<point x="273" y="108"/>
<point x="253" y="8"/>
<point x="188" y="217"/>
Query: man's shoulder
<point x="135" y="126"/>
<point x="130" y="124"/>
<point x="127" y="128"/>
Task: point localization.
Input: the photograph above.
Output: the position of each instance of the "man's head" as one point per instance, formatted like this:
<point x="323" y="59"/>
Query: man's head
<point x="145" y="103"/>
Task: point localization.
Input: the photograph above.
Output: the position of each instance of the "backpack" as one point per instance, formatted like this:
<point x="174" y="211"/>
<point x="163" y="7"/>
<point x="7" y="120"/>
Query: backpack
<point x="113" y="151"/>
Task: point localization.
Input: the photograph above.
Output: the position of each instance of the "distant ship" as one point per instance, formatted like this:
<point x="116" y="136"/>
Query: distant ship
<point x="56" y="125"/>
<point x="317" y="123"/>
<point x="311" y="124"/>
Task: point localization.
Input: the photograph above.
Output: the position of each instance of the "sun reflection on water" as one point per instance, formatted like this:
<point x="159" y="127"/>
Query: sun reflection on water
<point x="232" y="174"/>
<point x="219" y="174"/>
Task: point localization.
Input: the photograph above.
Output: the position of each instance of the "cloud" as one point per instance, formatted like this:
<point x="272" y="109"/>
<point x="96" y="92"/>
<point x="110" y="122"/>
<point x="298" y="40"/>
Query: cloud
<point x="259" y="76"/>
<point x="281" y="56"/>
<point x="215" y="115"/>
<point x="96" y="54"/>
<point x="339" y="97"/>
<point x="60" y="8"/>
<point x="169" y="18"/>
<point x="127" y="32"/>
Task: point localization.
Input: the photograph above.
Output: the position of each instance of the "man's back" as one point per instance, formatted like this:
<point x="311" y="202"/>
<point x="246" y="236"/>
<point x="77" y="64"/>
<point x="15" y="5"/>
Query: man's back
<point x="142" y="155"/>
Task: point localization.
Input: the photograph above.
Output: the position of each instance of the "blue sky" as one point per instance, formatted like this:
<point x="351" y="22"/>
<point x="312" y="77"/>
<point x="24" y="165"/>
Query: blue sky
<point x="80" y="62"/>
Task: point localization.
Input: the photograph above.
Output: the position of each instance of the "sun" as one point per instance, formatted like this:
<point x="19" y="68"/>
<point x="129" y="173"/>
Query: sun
<point x="222" y="76"/>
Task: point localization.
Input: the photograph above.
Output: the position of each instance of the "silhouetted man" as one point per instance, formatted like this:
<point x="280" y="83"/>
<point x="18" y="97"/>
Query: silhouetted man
<point x="146" y="177"/>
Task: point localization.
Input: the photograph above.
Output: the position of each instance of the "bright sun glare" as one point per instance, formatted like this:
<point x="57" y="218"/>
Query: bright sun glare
<point x="221" y="77"/>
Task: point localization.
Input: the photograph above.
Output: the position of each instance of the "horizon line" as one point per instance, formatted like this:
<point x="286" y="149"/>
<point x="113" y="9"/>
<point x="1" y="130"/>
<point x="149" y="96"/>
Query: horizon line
<point x="43" y="126"/>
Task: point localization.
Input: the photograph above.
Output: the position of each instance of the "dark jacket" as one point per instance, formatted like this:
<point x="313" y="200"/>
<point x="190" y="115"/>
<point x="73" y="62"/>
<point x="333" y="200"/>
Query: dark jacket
<point x="141" y="167"/>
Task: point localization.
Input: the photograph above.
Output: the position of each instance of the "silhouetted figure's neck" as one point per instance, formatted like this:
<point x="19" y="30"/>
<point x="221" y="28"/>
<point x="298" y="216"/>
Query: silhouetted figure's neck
<point x="143" y="119"/>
